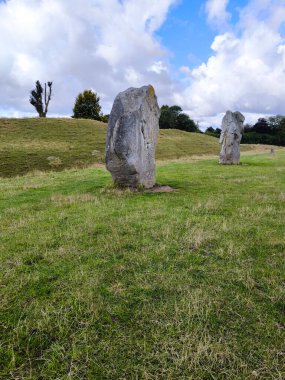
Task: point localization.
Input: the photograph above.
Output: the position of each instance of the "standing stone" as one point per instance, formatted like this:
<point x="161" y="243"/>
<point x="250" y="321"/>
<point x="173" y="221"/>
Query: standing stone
<point x="131" y="139"/>
<point x="232" y="129"/>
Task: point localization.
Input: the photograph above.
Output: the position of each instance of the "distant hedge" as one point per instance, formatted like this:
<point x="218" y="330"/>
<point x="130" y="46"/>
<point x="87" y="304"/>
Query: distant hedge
<point x="270" y="131"/>
<point x="261" y="138"/>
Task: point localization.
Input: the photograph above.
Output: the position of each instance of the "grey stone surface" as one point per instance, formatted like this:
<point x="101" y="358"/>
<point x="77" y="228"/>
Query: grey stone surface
<point x="232" y="129"/>
<point x="132" y="136"/>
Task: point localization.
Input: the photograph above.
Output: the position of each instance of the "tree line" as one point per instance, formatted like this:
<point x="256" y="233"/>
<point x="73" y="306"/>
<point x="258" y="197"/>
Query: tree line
<point x="268" y="131"/>
<point x="87" y="106"/>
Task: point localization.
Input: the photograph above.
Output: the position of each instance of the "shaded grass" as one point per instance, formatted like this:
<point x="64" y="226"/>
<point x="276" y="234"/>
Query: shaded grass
<point x="100" y="283"/>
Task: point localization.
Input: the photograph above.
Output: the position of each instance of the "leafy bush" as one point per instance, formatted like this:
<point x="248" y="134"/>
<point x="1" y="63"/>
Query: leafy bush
<point x="173" y="118"/>
<point x="87" y="106"/>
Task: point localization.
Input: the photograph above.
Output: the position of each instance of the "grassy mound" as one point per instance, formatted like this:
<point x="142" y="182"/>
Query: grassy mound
<point x="45" y="144"/>
<point x="98" y="283"/>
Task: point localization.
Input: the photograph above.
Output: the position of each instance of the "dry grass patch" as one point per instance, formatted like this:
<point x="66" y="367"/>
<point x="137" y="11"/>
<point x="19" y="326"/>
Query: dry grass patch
<point x="210" y="204"/>
<point x="257" y="213"/>
<point x="196" y="237"/>
<point x="74" y="198"/>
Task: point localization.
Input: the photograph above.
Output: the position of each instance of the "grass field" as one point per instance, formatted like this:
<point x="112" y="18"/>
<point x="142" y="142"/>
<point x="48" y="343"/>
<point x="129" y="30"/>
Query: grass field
<point x="98" y="283"/>
<point x="26" y="144"/>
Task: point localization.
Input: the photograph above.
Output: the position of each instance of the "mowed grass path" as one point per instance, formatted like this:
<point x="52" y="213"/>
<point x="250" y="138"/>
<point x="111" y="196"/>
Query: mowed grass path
<point x="26" y="144"/>
<point x="98" y="283"/>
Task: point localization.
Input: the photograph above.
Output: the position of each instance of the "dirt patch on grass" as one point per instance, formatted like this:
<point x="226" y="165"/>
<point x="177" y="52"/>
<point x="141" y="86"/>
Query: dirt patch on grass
<point x="128" y="190"/>
<point x="161" y="189"/>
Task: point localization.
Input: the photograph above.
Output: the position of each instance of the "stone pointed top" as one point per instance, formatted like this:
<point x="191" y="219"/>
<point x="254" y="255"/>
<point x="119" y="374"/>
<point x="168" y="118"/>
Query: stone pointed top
<point x="132" y="93"/>
<point x="237" y="114"/>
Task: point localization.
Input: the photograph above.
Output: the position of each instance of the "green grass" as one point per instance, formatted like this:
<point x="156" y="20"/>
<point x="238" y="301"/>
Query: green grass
<point x="99" y="283"/>
<point x="25" y="144"/>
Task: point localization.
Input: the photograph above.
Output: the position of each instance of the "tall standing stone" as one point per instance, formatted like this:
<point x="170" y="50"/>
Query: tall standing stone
<point x="232" y="129"/>
<point x="132" y="135"/>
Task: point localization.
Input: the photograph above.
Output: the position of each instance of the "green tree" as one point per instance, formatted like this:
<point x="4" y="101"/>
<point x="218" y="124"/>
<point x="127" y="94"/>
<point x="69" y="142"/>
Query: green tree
<point x="173" y="118"/>
<point x="213" y="132"/>
<point x="185" y="123"/>
<point x="40" y="98"/>
<point x="275" y="122"/>
<point x="281" y="132"/>
<point x="261" y="126"/>
<point x="105" y="118"/>
<point x="87" y="106"/>
<point x="168" y="117"/>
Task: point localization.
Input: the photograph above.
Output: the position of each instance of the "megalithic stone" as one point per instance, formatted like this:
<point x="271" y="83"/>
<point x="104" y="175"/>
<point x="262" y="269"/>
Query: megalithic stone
<point x="232" y="130"/>
<point x="132" y="136"/>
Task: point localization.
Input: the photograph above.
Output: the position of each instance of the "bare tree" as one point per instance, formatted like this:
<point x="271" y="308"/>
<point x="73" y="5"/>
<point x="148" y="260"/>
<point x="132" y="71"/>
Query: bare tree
<point x="40" y="98"/>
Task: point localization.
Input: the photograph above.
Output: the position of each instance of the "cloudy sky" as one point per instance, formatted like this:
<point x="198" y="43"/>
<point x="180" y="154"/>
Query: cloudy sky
<point x="206" y="56"/>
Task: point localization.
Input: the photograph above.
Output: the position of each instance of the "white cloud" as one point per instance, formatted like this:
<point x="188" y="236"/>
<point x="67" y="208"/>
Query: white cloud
<point x="158" y="67"/>
<point x="247" y="69"/>
<point x="107" y="45"/>
<point x="217" y="12"/>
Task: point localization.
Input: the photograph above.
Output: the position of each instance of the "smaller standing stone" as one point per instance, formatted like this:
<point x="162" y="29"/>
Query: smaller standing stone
<point x="232" y="129"/>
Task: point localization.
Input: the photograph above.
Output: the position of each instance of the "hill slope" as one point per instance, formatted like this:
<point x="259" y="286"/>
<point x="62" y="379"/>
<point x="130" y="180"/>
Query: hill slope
<point x="25" y="144"/>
